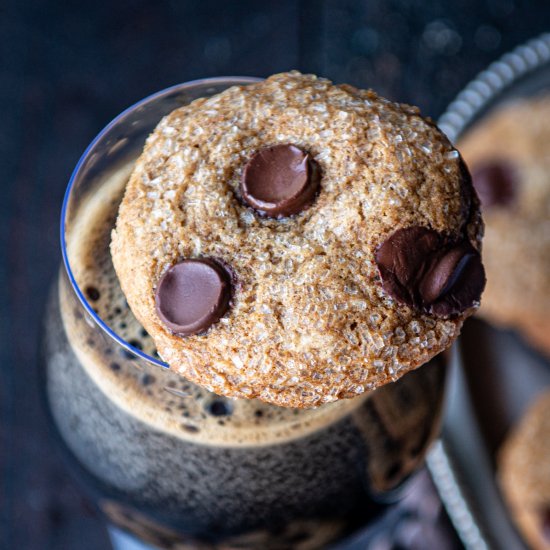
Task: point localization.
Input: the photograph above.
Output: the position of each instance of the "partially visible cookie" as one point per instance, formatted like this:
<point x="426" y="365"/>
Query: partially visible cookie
<point x="298" y="242"/>
<point x="508" y="154"/>
<point x="524" y="472"/>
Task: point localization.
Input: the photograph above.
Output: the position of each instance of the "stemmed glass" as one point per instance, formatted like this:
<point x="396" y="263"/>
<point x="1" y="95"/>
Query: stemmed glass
<point x="173" y="464"/>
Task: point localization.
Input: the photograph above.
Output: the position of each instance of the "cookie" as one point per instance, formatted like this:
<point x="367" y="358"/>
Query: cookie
<point x="298" y="242"/>
<point x="508" y="154"/>
<point x="524" y="473"/>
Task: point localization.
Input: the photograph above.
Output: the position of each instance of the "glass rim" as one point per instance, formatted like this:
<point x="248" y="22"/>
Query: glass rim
<point x="230" y="80"/>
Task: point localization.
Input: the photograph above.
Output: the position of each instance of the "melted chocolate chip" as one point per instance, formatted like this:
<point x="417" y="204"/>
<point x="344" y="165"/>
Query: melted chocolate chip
<point x="192" y="295"/>
<point x="443" y="273"/>
<point x="465" y="284"/>
<point x="401" y="258"/>
<point x="280" y="181"/>
<point x="421" y="268"/>
<point x="495" y="183"/>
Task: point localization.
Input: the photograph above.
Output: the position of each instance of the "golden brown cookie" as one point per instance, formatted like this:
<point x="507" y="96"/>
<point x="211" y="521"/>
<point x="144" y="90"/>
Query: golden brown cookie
<point x="298" y="242"/>
<point x="524" y="472"/>
<point x="508" y="154"/>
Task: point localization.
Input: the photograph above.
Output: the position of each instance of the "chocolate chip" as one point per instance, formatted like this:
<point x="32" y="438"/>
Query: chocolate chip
<point x="400" y="259"/>
<point x="192" y="295"/>
<point x="496" y="183"/>
<point x="421" y="268"/>
<point x="443" y="273"/>
<point x="280" y="181"/>
<point x="465" y="281"/>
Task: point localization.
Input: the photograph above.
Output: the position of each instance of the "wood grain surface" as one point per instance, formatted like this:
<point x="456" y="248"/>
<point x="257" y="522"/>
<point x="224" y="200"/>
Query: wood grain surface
<point x="67" y="67"/>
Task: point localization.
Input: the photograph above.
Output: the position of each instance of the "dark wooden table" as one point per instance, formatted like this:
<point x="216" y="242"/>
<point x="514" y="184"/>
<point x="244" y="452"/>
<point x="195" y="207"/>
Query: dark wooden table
<point x="67" y="67"/>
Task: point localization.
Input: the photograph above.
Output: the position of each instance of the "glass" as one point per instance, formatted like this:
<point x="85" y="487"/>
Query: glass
<point x="173" y="464"/>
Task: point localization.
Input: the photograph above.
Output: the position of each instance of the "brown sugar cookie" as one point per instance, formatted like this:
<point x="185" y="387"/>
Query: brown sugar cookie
<point x="298" y="242"/>
<point x="508" y="154"/>
<point x="524" y="472"/>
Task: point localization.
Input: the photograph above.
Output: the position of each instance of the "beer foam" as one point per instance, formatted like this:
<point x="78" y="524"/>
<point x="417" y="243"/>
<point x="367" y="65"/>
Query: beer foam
<point x="144" y="390"/>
